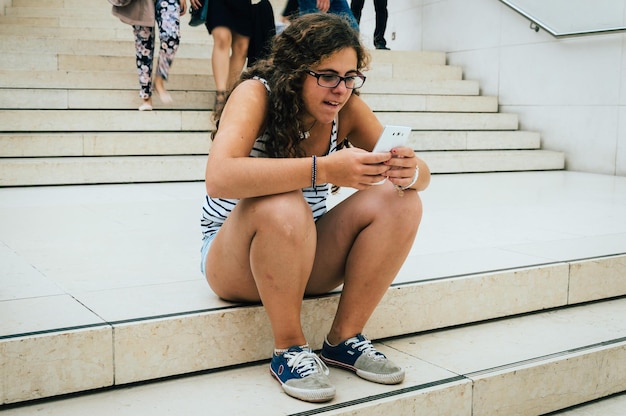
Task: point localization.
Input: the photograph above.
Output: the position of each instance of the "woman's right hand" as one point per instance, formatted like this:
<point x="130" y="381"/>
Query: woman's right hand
<point x="352" y="167"/>
<point x="196" y="4"/>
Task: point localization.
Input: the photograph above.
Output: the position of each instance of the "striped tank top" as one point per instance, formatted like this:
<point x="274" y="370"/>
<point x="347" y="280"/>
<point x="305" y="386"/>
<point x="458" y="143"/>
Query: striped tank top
<point x="216" y="210"/>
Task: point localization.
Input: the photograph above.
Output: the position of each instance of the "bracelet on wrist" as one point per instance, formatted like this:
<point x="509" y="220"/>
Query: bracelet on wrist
<point x="314" y="174"/>
<point x="415" y="176"/>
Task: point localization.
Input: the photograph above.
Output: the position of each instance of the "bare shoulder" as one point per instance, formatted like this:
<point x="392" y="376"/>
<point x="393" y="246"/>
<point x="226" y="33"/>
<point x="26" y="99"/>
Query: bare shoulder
<point x="242" y="119"/>
<point x="250" y="90"/>
<point x="246" y="103"/>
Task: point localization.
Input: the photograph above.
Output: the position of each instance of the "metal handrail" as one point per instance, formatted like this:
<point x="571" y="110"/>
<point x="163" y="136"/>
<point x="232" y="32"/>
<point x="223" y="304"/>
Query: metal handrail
<point x="537" y="22"/>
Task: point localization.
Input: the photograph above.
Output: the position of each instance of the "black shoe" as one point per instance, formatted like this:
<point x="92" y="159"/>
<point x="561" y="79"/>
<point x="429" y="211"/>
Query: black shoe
<point x="381" y="46"/>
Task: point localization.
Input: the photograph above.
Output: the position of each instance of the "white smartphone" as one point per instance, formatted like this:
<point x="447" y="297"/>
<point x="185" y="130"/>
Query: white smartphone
<point x="392" y="136"/>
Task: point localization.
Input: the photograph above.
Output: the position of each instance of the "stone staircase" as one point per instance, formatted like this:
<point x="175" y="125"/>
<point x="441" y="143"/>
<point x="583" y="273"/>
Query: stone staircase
<point x="507" y="305"/>
<point x="68" y="99"/>
<point x="528" y="331"/>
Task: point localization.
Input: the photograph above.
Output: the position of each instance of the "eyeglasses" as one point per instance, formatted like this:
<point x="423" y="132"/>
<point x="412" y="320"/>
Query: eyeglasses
<point x="332" y="80"/>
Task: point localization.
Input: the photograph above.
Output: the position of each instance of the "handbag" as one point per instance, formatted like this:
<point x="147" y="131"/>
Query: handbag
<point x="120" y="3"/>
<point x="199" y="16"/>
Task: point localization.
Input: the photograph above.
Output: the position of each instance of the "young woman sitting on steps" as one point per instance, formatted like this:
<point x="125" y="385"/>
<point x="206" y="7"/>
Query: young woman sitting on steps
<point x="268" y="235"/>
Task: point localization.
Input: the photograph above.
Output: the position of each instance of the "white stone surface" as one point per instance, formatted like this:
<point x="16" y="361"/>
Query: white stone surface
<point x="128" y="255"/>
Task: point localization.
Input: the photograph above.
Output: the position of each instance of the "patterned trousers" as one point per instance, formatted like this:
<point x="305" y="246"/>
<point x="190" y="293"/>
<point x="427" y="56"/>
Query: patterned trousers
<point x="168" y="22"/>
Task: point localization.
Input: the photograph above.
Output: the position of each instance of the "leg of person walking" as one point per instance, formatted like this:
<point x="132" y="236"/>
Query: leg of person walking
<point x="239" y="47"/>
<point x="339" y="7"/>
<point x="380" y="7"/>
<point x="144" y="53"/>
<point x="357" y="8"/>
<point x="168" y="22"/>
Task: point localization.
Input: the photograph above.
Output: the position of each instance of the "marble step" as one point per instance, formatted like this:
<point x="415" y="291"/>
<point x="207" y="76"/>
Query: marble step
<point x="112" y="31"/>
<point x="98" y="63"/>
<point x="527" y="365"/>
<point x="63" y="62"/>
<point x="76" y="99"/>
<point x="194" y="143"/>
<point x="103" y="21"/>
<point x="88" y="11"/>
<point x="123" y="99"/>
<point x="127" y="80"/>
<point x="176" y="120"/>
<point x="104" y="81"/>
<point x="193" y="48"/>
<point x="609" y="406"/>
<point x="174" y="168"/>
<point x="35" y="44"/>
<point x="104" y="120"/>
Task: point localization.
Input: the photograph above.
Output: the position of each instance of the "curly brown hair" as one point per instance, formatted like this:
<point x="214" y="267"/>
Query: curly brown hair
<point x="307" y="41"/>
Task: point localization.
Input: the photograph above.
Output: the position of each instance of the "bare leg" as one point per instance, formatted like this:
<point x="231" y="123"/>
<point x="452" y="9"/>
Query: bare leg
<point x="265" y="251"/>
<point x="363" y="242"/>
<point x="238" y="58"/>
<point x="220" y="58"/>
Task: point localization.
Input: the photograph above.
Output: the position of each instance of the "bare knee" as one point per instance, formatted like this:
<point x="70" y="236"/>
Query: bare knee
<point x="287" y="214"/>
<point x="222" y="38"/>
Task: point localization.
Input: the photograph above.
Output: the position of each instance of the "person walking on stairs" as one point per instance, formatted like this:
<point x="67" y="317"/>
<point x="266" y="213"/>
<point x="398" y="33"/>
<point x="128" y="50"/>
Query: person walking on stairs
<point x="268" y="235"/>
<point x="142" y="15"/>
<point x="230" y="22"/>
<point x="339" y="7"/>
<point x="380" y="8"/>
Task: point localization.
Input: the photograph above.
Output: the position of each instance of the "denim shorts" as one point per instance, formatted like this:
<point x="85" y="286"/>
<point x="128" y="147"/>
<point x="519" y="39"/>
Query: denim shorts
<point x="206" y="244"/>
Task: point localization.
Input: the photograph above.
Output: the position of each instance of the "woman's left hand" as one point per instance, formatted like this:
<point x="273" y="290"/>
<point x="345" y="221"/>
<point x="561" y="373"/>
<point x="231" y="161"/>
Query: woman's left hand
<point x="183" y="7"/>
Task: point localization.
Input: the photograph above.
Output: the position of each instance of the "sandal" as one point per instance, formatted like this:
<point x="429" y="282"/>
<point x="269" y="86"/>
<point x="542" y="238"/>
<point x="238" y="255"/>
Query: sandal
<point x="146" y="106"/>
<point x="220" y="99"/>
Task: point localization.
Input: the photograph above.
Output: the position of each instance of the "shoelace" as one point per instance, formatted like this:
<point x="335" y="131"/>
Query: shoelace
<point x="305" y="363"/>
<point x="366" y="347"/>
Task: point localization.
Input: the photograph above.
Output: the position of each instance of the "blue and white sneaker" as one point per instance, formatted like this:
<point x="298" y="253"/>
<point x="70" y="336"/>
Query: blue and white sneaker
<point x="302" y="375"/>
<point x="359" y="355"/>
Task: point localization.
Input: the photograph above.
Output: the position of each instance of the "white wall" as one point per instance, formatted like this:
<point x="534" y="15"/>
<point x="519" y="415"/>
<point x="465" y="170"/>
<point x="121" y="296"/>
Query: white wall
<point x="572" y="91"/>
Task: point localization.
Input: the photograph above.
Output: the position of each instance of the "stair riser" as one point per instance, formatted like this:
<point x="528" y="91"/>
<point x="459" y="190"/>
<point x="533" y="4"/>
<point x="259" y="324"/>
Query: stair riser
<point x="52" y="61"/>
<point x="118" y="32"/>
<point x="473" y="140"/>
<point x="48" y="365"/>
<point x="135" y="169"/>
<point x="129" y="169"/>
<point x="13" y="44"/>
<point x="93" y="120"/>
<point x="183" y="143"/>
<point x="562" y="382"/>
<point x="58" y="99"/>
<point x="127" y="80"/>
<point x="446" y="399"/>
<point x="102" y="121"/>
<point x="492" y="161"/>
<point x="188" y="343"/>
